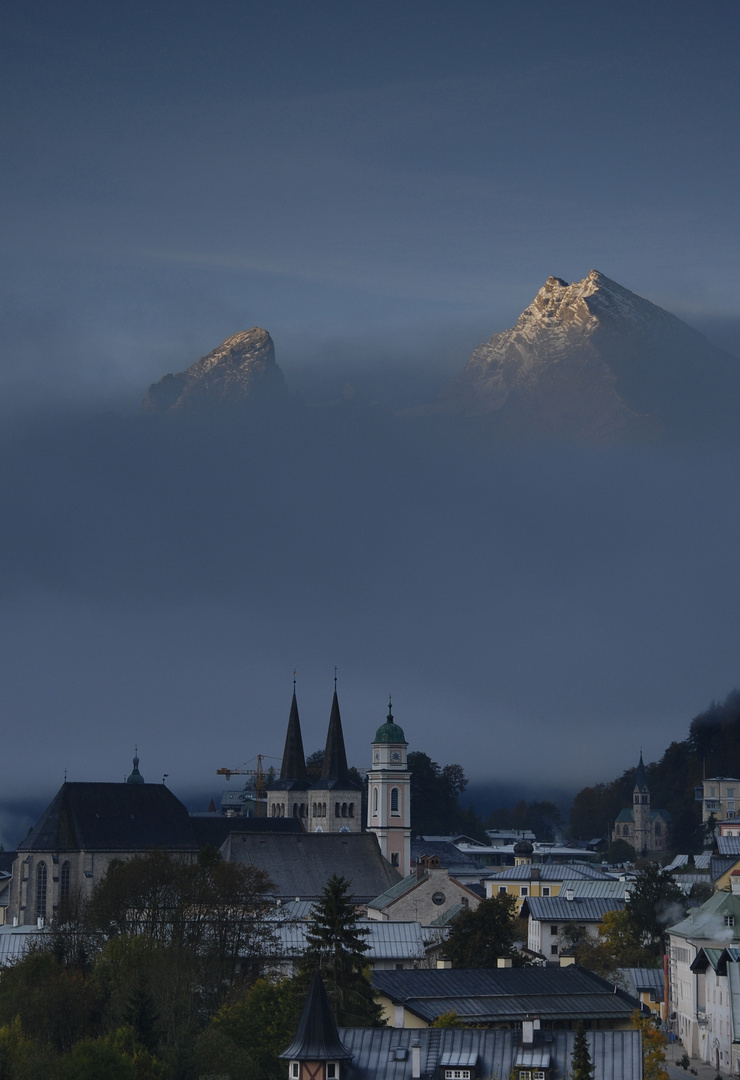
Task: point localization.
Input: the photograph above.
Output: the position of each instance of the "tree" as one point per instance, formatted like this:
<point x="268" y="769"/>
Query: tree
<point x="258" y="1023"/>
<point x="479" y="937"/>
<point x="656" y="901"/>
<point x="435" y="793"/>
<point x="653" y="1046"/>
<point x="581" y="1066"/>
<point x="337" y="948"/>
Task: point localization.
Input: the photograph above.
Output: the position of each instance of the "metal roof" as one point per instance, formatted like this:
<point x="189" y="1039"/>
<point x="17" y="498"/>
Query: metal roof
<point x="728" y="845"/>
<point x="701" y="862"/>
<point x="579" y="909"/>
<point x="15" y="941"/>
<point x="706" y="923"/>
<point x="487" y="995"/>
<point x="604" y="888"/>
<point x="550" y="872"/>
<point x="385" y="940"/>
<point x="638" y="980"/>
<point x="386" y="1052"/>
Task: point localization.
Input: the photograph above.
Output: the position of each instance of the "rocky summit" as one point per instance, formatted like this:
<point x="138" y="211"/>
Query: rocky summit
<point x="241" y="368"/>
<point x="591" y="360"/>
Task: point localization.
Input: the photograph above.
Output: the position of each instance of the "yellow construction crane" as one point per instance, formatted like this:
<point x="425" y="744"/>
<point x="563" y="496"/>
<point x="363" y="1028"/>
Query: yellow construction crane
<point x="258" y="774"/>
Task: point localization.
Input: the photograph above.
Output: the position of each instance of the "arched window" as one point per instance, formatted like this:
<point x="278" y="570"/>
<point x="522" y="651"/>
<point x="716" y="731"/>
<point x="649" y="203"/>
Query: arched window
<point x="41" y="891"/>
<point x="344" y="809"/>
<point x="351" y="809"/>
<point x="337" y="810"/>
<point x="64" y="881"/>
<point x="394" y="800"/>
<point x="375" y="802"/>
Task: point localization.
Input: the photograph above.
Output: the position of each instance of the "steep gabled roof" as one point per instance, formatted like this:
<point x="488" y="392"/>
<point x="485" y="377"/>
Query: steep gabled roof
<point x="112" y="817"/>
<point x="716" y="921"/>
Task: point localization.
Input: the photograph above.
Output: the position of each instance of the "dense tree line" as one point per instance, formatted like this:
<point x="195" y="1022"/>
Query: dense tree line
<point x="711" y="749"/>
<point x="435" y="800"/>
<point x="157" y="977"/>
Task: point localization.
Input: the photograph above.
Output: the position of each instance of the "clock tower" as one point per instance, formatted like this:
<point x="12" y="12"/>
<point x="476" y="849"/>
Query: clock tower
<point x="389" y="795"/>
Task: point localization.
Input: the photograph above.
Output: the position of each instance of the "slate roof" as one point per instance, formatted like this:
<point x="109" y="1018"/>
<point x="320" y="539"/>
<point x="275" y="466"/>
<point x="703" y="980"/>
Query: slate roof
<point x="211" y="830"/>
<point x="579" y="909"/>
<point x="112" y="817"/>
<point x="627" y="815"/>
<point x="386" y="1052"/>
<point x="506" y="995"/>
<point x="334" y="771"/>
<point x="300" y="866"/>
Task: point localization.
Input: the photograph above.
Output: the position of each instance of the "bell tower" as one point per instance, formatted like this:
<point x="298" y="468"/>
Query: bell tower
<point x="389" y="794"/>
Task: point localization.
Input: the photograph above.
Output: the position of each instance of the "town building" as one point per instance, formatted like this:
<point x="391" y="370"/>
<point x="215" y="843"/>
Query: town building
<point x="552" y="921"/>
<point x="321" y="1051"/>
<point x="389" y="794"/>
<point x="719" y="797"/>
<point x="640" y="826"/>
<point x="527" y="879"/>
<point x="503" y="997"/>
<point x="426" y="895"/>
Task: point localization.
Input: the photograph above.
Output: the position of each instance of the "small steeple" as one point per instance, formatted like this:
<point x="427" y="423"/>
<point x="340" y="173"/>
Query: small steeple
<point x="135" y="777"/>
<point x="317" y="1038"/>
<point x="640" y="777"/>
<point x="294" y="759"/>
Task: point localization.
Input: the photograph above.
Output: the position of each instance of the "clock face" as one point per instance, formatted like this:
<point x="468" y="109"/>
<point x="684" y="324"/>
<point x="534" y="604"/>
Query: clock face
<point x="395" y="756"/>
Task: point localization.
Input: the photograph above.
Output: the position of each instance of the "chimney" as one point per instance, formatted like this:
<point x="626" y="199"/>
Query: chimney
<point x="503" y="962"/>
<point x="569" y="894"/>
<point x="566" y="961"/>
<point x="416" y="1059"/>
<point x="735" y="882"/>
<point x="530" y="1024"/>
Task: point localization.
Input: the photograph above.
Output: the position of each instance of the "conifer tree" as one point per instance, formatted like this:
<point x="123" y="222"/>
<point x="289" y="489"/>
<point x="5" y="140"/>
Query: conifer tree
<point x="337" y="947"/>
<point x="581" y="1066"/>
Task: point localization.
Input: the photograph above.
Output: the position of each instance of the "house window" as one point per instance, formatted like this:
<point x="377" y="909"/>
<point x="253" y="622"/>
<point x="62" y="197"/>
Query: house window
<point x="553" y="931"/>
<point x="295" y="1070"/>
<point x="375" y="802"/>
<point x="438" y="898"/>
<point x="394" y="800"/>
<point x="729" y="920"/>
<point x="332" y="1070"/>
<point x="539" y="1074"/>
<point x="394" y="858"/>
<point x="457" y="1074"/>
<point x="545" y="890"/>
<point x="525" y="1074"/>
<point x="524" y="890"/>
<point x="41" y="891"/>
<point x="502" y="889"/>
<point x="554" y="950"/>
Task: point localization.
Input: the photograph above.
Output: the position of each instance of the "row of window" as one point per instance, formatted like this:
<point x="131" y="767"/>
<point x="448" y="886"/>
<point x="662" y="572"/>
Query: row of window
<point x="300" y="810"/>
<point x="394" y="801"/>
<point x="524" y="890"/>
<point x="42" y="878"/>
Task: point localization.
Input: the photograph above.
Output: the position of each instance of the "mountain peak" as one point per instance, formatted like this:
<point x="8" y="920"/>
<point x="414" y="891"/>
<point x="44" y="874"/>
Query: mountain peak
<point x="242" y="366"/>
<point x="594" y="361"/>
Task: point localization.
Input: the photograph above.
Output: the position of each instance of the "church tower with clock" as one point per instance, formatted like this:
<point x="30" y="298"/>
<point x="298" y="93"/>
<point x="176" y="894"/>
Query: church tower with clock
<point x="389" y="795"/>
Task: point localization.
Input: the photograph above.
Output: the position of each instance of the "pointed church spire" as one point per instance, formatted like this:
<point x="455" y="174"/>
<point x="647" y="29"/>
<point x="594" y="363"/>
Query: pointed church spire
<point x="640" y="777"/>
<point x="294" y="759"/>
<point x="317" y="1038"/>
<point x="335" y="755"/>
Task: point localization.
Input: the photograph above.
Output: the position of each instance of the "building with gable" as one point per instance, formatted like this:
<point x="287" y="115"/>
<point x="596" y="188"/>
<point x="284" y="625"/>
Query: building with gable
<point x="640" y="826"/>
<point x="333" y="803"/>
<point x="426" y="895"/>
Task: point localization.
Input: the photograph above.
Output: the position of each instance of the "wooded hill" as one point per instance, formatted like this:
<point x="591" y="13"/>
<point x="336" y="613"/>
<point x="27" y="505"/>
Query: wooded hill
<point x="711" y="749"/>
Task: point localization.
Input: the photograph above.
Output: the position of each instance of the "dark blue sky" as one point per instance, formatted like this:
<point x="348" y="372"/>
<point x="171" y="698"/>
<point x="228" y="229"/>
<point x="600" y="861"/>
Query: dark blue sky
<point x="381" y="186"/>
<point x="386" y="174"/>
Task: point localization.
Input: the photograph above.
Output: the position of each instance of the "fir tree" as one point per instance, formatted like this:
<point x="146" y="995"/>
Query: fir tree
<point x="337" y="947"/>
<point x="581" y="1066"/>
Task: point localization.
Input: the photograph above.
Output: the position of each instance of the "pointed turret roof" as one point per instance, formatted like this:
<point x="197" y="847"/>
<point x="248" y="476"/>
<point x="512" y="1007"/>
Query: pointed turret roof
<point x="317" y="1038"/>
<point x="640" y="777"/>
<point x="293" y="768"/>
<point x="135" y="776"/>
<point x="334" y="771"/>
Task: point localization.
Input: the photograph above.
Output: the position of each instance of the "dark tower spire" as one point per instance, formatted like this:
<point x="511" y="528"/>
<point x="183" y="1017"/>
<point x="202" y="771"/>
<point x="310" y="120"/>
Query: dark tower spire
<point x="640" y="777"/>
<point x="294" y="759"/>
<point x="317" y="1038"/>
<point x="335" y="756"/>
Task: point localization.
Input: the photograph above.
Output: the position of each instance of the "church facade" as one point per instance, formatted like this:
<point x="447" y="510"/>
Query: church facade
<point x="640" y="826"/>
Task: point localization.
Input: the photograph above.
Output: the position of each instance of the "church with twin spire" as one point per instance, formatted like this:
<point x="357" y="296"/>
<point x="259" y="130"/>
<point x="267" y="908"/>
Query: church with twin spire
<point x="333" y="803"/>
